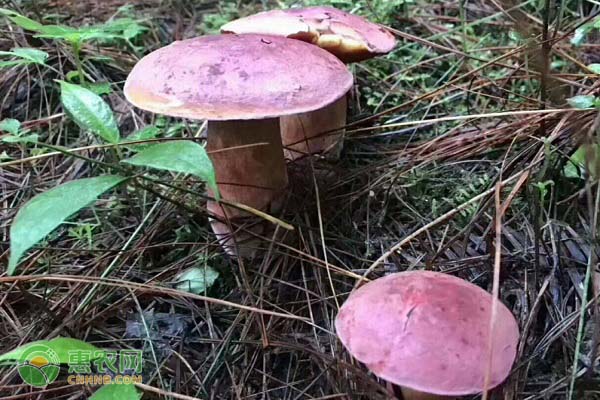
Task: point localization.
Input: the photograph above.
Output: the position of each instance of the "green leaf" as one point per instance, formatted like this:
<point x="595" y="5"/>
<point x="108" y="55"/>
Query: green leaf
<point x="117" y="392"/>
<point x="595" y="68"/>
<point x="196" y="280"/>
<point x="33" y="138"/>
<point x="10" y="125"/>
<point x="33" y="55"/>
<point x="582" y="102"/>
<point x="149" y="132"/>
<point x="99" y="87"/>
<point x="586" y="156"/>
<point x="46" y="211"/>
<point x="21" y="20"/>
<point x="4" y="156"/>
<point x="581" y="34"/>
<point x="89" y="111"/>
<point x="179" y="156"/>
<point x="60" y="345"/>
<point x="26" y="55"/>
<point x="12" y="63"/>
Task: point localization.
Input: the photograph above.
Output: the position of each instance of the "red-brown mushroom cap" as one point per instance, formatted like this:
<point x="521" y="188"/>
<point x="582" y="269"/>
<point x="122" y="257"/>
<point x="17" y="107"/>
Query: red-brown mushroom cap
<point x="428" y="331"/>
<point x="227" y="77"/>
<point x="348" y="36"/>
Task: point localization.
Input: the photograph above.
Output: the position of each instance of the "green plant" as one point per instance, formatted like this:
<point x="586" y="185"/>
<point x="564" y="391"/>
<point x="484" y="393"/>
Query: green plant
<point x="16" y="133"/>
<point x="45" y="212"/>
<point x="584" y="159"/>
<point x="124" y="29"/>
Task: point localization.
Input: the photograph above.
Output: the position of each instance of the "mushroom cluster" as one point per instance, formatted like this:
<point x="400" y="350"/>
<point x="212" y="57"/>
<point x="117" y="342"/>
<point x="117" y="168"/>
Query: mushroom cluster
<point x="347" y="36"/>
<point x="429" y="333"/>
<point x="254" y="90"/>
<point x="241" y="84"/>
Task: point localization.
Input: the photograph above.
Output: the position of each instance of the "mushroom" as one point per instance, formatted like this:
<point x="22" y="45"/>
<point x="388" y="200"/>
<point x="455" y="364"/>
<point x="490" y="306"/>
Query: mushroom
<point x="347" y="36"/>
<point x="241" y="84"/>
<point x="428" y="332"/>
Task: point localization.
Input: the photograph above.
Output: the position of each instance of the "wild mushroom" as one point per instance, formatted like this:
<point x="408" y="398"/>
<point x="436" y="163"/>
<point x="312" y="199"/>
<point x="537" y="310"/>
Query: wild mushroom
<point x="241" y="84"/>
<point x="428" y="332"/>
<point x="347" y="36"/>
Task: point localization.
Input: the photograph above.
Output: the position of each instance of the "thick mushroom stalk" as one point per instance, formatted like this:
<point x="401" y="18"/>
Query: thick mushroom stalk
<point x="428" y="333"/>
<point x="349" y="37"/>
<point x="315" y="131"/>
<point x="243" y="85"/>
<point x="248" y="160"/>
<point x="250" y="169"/>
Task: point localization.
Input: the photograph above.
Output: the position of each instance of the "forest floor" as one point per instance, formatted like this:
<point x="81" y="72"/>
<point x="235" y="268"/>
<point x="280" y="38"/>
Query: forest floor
<point x="468" y="112"/>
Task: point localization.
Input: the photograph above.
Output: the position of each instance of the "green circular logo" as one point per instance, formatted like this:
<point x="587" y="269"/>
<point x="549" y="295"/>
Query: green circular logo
<point x="39" y="365"/>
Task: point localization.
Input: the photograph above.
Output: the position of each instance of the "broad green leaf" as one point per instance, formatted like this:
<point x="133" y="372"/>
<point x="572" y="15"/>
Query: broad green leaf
<point x="89" y="111"/>
<point x="582" y="102"/>
<point x="179" y="156"/>
<point x="60" y="346"/>
<point x="32" y="138"/>
<point x="10" y="125"/>
<point x="21" y="20"/>
<point x="595" y="68"/>
<point x="46" y="211"/>
<point x="117" y="392"/>
<point x="196" y="280"/>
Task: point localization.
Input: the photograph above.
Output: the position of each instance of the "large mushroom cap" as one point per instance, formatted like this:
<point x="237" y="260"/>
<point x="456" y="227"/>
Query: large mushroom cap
<point x="226" y="77"/>
<point x="349" y="37"/>
<point x="428" y="331"/>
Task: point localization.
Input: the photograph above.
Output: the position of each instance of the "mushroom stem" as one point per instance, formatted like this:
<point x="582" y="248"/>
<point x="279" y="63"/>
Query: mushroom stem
<point x="411" y="394"/>
<point x="309" y="133"/>
<point x="253" y="172"/>
<point x="250" y="169"/>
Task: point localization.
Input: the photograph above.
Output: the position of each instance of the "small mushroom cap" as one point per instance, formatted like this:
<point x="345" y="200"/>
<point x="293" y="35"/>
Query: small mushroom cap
<point x="227" y="77"/>
<point x="348" y="36"/>
<point x="429" y="332"/>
